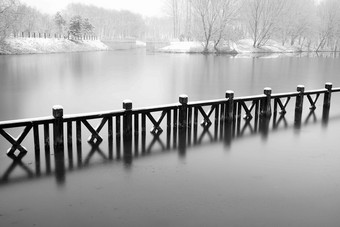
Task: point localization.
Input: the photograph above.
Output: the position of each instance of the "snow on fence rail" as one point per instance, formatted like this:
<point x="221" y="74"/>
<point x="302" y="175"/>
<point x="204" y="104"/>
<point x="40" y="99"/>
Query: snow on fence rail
<point x="180" y="121"/>
<point x="51" y="36"/>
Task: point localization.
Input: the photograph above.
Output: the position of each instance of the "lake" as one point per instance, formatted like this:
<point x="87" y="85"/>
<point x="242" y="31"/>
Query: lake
<point x="287" y="176"/>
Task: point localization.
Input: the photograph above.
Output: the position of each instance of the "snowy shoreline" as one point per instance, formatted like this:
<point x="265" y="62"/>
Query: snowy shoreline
<point x="242" y="47"/>
<point x="15" y="46"/>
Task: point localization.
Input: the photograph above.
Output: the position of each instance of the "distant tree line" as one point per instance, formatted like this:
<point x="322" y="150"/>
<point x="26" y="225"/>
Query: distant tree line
<point x="213" y="22"/>
<point x="16" y="17"/>
<point x="291" y="22"/>
<point x="77" y="20"/>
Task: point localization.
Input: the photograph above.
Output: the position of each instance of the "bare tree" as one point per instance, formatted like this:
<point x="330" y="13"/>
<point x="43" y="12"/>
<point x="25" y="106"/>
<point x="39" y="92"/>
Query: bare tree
<point x="7" y="17"/>
<point x="329" y="29"/>
<point x="174" y="9"/>
<point x="297" y="23"/>
<point x="262" y="17"/>
<point x="188" y="20"/>
<point x="213" y="17"/>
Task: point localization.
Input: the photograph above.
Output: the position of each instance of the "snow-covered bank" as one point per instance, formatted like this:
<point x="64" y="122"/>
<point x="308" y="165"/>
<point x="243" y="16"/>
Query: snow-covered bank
<point x="240" y="47"/>
<point x="40" y="45"/>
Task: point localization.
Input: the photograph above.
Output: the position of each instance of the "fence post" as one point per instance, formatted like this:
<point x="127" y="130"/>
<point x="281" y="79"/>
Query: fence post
<point x="127" y="120"/>
<point x="127" y="132"/>
<point x="299" y="98"/>
<point x="266" y="110"/>
<point x="183" y="100"/>
<point x="299" y="106"/>
<point x="326" y="104"/>
<point x="229" y="109"/>
<point x="182" y="123"/>
<point x="58" y="128"/>
<point x="228" y="117"/>
<point x="327" y="96"/>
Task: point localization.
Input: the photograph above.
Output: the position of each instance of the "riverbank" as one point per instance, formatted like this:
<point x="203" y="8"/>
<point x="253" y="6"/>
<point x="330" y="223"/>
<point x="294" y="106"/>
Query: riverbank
<point x="243" y="47"/>
<point x="41" y="45"/>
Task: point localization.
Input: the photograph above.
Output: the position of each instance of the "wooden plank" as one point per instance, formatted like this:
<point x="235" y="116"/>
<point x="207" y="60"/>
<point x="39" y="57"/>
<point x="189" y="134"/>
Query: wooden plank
<point x="110" y="136"/>
<point x="168" y="129"/>
<point x="136" y="133"/>
<point x="143" y="132"/>
<point x="217" y="114"/>
<point x="175" y="128"/>
<point x="118" y="137"/>
<point x="195" y="124"/>
<point x="189" y="124"/>
<point x="36" y="149"/>
<point x="69" y="135"/>
<point x="222" y="120"/>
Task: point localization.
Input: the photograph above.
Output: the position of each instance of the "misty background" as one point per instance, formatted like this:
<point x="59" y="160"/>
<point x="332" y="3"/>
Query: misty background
<point x="306" y="23"/>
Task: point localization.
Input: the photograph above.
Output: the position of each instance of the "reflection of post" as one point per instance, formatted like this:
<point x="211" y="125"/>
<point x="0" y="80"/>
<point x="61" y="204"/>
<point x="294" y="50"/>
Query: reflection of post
<point x="264" y="126"/>
<point x="59" y="162"/>
<point x="326" y="104"/>
<point x="299" y="106"/>
<point x="182" y="127"/>
<point x="228" y="132"/>
<point x="127" y="131"/>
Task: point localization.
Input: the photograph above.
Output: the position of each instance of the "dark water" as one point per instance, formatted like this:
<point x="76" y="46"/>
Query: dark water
<point x="283" y="177"/>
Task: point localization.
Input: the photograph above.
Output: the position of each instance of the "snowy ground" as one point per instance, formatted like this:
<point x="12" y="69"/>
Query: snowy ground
<point x="41" y="45"/>
<point x="239" y="47"/>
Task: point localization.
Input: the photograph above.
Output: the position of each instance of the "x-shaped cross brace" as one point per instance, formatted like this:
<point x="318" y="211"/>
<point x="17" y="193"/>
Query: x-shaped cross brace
<point x="282" y="105"/>
<point x="16" y="142"/>
<point x="95" y="132"/>
<point x="206" y="117"/>
<point x="156" y="130"/>
<point x="313" y="102"/>
<point x="248" y="110"/>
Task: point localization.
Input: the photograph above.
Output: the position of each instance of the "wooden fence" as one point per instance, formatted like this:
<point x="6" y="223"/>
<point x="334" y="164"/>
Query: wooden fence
<point x="180" y="121"/>
<point x="51" y="36"/>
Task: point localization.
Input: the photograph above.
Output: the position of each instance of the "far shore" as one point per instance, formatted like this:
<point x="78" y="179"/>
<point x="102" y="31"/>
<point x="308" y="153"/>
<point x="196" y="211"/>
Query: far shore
<point x="241" y="48"/>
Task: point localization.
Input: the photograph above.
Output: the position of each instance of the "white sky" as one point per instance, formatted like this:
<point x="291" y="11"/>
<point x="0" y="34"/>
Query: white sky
<point x="144" y="7"/>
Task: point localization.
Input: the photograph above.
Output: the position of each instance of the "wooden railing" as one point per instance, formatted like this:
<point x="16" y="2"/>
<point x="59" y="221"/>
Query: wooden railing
<point x="128" y="127"/>
<point x="46" y="35"/>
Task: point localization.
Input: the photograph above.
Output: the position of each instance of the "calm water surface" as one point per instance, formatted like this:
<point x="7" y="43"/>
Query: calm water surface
<point x="288" y="177"/>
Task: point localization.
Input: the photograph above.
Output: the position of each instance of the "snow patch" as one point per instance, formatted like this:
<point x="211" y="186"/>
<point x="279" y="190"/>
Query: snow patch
<point x="41" y="45"/>
<point x="140" y="43"/>
<point x="244" y="46"/>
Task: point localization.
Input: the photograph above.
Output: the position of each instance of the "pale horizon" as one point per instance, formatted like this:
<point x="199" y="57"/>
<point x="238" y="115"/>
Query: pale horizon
<point x="145" y="8"/>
